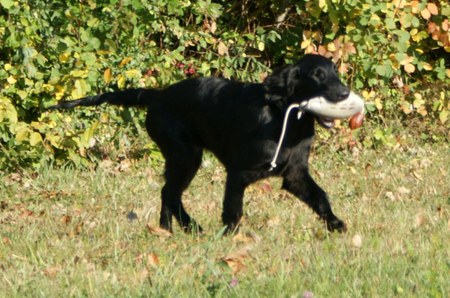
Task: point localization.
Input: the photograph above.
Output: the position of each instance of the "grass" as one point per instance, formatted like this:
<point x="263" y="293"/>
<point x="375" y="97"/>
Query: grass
<point x="69" y="232"/>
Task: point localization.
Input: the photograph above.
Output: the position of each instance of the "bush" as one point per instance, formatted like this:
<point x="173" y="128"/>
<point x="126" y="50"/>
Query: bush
<point x="396" y="54"/>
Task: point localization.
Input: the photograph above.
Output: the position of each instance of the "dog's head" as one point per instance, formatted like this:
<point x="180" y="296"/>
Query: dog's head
<point x="312" y="76"/>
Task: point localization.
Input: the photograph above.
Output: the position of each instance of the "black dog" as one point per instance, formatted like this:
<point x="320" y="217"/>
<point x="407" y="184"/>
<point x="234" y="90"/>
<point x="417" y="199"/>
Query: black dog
<point x="241" y="124"/>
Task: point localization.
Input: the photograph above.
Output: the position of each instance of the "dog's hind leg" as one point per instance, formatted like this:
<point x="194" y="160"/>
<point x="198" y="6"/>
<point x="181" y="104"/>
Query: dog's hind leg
<point x="183" y="158"/>
<point x="180" y="170"/>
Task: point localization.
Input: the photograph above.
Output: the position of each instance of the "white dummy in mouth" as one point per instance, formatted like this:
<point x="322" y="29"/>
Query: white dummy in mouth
<point x="324" y="108"/>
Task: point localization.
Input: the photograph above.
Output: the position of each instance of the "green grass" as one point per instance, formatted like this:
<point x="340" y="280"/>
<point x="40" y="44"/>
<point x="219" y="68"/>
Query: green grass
<point x="66" y="232"/>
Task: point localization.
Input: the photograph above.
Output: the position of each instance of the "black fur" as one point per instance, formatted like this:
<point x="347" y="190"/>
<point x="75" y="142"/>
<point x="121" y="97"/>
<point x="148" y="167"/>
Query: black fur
<point x="241" y="124"/>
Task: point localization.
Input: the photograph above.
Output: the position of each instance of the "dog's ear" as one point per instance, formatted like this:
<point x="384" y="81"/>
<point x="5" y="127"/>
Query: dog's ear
<point x="281" y="84"/>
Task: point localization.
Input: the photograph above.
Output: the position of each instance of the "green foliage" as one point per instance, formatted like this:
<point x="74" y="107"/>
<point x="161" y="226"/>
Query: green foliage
<point x="395" y="53"/>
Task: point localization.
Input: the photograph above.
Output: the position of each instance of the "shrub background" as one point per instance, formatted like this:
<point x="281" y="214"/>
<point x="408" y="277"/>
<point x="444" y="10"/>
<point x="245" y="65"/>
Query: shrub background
<point x="395" y="53"/>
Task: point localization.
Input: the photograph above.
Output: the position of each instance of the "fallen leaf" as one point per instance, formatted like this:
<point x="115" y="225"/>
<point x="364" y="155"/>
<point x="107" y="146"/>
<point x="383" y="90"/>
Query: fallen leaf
<point x="157" y="231"/>
<point x="26" y="213"/>
<point x="152" y="260"/>
<point x="274" y="222"/>
<point x="235" y="259"/>
<point x="242" y="238"/>
<point x="143" y="275"/>
<point x="66" y="219"/>
<point x="417" y="176"/>
<point x="106" y="164"/>
<point x="403" y="190"/>
<point x="390" y="195"/>
<point x="51" y="271"/>
<point x="419" y="220"/>
<point x="6" y="241"/>
<point x="236" y="265"/>
<point x="124" y="166"/>
<point x="76" y="231"/>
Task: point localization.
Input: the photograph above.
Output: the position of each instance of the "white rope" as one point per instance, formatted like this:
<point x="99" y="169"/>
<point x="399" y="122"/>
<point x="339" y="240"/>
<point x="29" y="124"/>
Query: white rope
<point x="273" y="163"/>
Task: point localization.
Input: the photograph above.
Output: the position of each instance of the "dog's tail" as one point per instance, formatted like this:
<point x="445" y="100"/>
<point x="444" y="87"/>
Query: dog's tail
<point x="126" y="98"/>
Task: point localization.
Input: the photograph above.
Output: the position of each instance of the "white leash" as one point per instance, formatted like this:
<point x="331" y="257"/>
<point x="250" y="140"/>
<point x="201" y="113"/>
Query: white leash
<point x="301" y="106"/>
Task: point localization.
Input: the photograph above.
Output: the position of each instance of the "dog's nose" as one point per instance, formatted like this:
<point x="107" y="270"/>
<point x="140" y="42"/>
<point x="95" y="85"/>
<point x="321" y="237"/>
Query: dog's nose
<point x="343" y="94"/>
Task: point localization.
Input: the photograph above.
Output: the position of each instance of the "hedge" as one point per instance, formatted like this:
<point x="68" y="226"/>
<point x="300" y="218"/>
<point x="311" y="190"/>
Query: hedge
<point x="395" y="53"/>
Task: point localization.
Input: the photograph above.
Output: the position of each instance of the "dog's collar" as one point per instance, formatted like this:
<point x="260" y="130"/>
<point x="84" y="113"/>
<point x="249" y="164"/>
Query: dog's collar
<point x="301" y="107"/>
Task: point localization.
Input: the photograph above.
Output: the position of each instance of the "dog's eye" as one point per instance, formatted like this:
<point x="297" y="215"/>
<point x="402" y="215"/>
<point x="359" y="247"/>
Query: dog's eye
<point x="335" y="69"/>
<point x="319" y="74"/>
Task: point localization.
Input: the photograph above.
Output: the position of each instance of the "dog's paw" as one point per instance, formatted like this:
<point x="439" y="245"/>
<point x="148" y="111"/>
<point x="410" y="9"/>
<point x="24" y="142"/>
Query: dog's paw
<point x="231" y="229"/>
<point x="193" y="228"/>
<point x="336" y="225"/>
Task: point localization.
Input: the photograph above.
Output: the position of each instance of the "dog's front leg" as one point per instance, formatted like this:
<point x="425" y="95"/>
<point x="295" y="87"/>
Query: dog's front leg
<point x="302" y="185"/>
<point x="233" y="201"/>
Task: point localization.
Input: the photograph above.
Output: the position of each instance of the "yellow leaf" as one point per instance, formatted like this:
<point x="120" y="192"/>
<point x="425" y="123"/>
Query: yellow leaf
<point x="35" y="138"/>
<point x="11" y="80"/>
<point x="378" y="103"/>
<point x="124" y="61"/>
<point x="261" y="46"/>
<point x="418" y="96"/>
<point x="22" y="132"/>
<point x="409" y="68"/>
<point x="323" y="5"/>
<point x="425" y="14"/>
<point x="422" y="111"/>
<point x="418" y="36"/>
<point x="213" y="27"/>
<point x="350" y="27"/>
<point x="305" y="44"/>
<point x="7" y="66"/>
<point x="121" y="82"/>
<point x="331" y="47"/>
<point x="60" y="91"/>
<point x="418" y="102"/>
<point x="54" y="140"/>
<point x="107" y="75"/>
<point x="22" y="94"/>
<point x="79" y="73"/>
<point x="64" y="57"/>
<point x="443" y="116"/>
<point x="222" y="49"/>
<point x="427" y="66"/>
<point x="133" y="74"/>
<point x="406" y="107"/>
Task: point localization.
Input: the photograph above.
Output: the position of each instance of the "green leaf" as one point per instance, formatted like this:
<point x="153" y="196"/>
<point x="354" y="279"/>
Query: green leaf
<point x="7" y="3"/>
<point x="89" y="58"/>
<point x="390" y="24"/>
